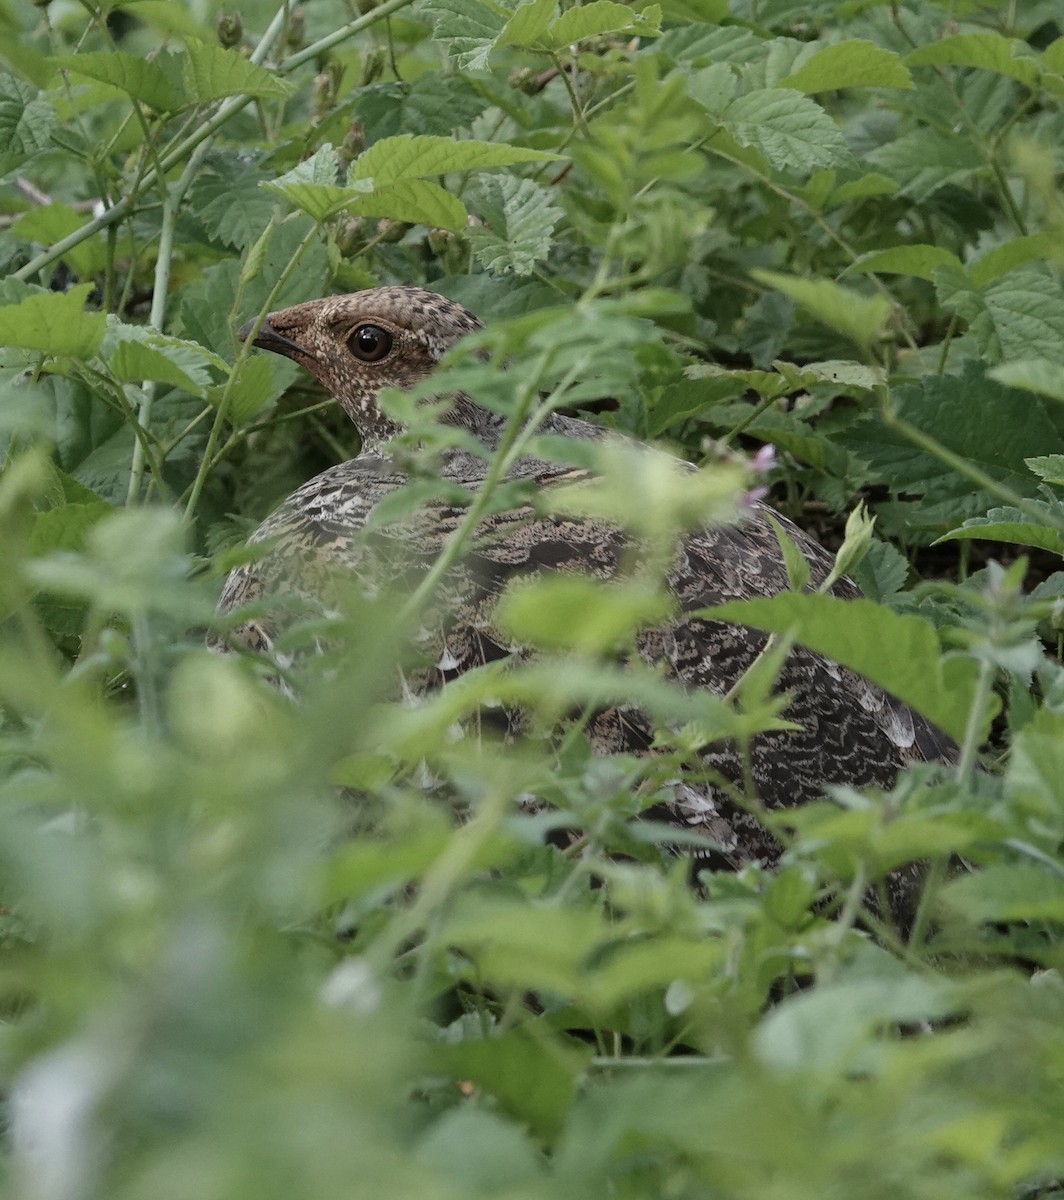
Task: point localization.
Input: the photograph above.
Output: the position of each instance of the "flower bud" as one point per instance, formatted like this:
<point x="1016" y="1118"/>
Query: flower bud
<point x="230" y="29"/>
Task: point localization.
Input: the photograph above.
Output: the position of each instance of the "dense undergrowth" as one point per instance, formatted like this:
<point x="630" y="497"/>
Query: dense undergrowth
<point x="834" y="228"/>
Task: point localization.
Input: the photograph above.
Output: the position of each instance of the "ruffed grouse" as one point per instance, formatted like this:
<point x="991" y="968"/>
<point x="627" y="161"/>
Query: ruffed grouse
<point x="851" y="732"/>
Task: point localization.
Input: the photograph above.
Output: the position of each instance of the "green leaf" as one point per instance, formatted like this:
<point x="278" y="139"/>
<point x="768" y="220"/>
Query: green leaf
<point x="1053" y="56"/>
<point x="432" y="103"/>
<point x="1019" y="316"/>
<point x="521" y="942"/>
<point x="712" y="87"/>
<point x="924" y="160"/>
<point x="1014" y="526"/>
<point x="257" y="384"/>
<point x="917" y="260"/>
<point x="992" y="427"/>
<point x="137" y="352"/>
<point x="468" y="28"/>
<point x="232" y="211"/>
<point x="1034" y="779"/>
<point x="792" y="131"/>
<point x="527" y="24"/>
<point x="66" y="526"/>
<point x="860" y="318"/>
<point x="134" y="563"/>
<point x="396" y="159"/>
<point x="131" y="362"/>
<point x="852" y="63"/>
<point x="827" y="1032"/>
<point x="389" y="179"/>
<point x="846" y="375"/>
<point x="1048" y="467"/>
<point x="520" y="216"/>
<point x="787" y="377"/>
<point x="883" y="572"/>
<point x="212" y="72"/>
<point x="312" y="184"/>
<point x="989" y="51"/>
<point x="476" y="1153"/>
<point x="417" y="201"/>
<point x="730" y="44"/>
<point x="709" y="12"/>
<point x="1004" y="892"/>
<point x="534" y="1078"/>
<point x="1026" y="308"/>
<point x="794" y="560"/>
<point x="54" y="323"/>
<point x="1014" y="253"/>
<point x="860" y="189"/>
<point x="598" y="17"/>
<point x="143" y="79"/>
<point x="1033" y="375"/>
<point x="899" y="653"/>
<point x="26" y="123"/>
<point x="571" y="612"/>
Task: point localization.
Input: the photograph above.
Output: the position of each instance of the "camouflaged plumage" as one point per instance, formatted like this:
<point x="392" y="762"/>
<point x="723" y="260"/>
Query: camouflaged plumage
<point x="851" y="732"/>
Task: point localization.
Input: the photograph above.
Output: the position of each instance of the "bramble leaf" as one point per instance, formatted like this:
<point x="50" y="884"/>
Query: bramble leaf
<point x="852" y="63"/>
<point x="212" y="72"/>
<point x="520" y="216"/>
<point x="919" y="261"/>
<point x="792" y="131"/>
<point x="860" y="318"/>
<point x="1015" y="527"/>
<point x="142" y="79"/>
<point x="598" y="17"/>
<point x="989" y="51"/>
<point x="395" y="159"/>
<point x="54" y="323"/>
<point x="925" y="160"/>
<point x="26" y="123"/>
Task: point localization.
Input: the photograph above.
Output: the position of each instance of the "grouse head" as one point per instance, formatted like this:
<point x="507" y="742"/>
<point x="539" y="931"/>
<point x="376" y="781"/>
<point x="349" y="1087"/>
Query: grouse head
<point x="357" y="344"/>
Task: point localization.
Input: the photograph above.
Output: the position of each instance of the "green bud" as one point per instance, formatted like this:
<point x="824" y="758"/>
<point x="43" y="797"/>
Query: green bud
<point x="391" y="231"/>
<point x="353" y="144"/>
<point x="324" y="92"/>
<point x="855" y="545"/>
<point x="373" y="63"/>
<point x="351" y="236"/>
<point x="297" y="29"/>
<point x="230" y="29"/>
<point x="440" y="241"/>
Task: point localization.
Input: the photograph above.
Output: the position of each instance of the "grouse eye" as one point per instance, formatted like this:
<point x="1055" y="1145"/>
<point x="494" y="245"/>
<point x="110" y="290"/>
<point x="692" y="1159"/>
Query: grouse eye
<point x="370" y="343"/>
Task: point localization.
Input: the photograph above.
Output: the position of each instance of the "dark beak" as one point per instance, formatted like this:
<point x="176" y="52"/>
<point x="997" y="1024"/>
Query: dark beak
<point x="269" y="339"/>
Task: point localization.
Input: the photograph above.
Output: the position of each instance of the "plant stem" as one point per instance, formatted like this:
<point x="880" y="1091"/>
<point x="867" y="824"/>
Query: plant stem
<point x="966" y="763"/>
<point x="969" y="470"/>
<point x="167" y="161"/>
<point x="157" y="316"/>
<point x="515" y="439"/>
<point x="206" y="461"/>
<point x="341" y="35"/>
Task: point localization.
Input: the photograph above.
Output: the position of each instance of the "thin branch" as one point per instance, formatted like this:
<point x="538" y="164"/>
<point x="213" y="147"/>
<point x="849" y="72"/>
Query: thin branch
<point x="167" y="161"/>
<point x="341" y="35"/>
